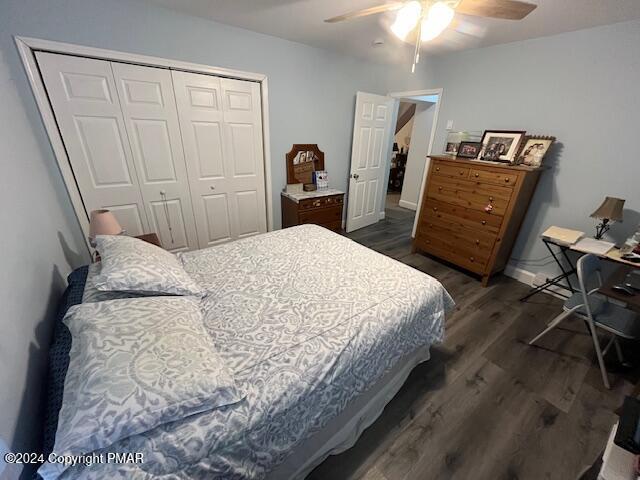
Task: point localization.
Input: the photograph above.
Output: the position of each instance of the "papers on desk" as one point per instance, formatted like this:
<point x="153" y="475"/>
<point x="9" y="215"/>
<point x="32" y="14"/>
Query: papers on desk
<point x="562" y="236"/>
<point x="591" y="245"/>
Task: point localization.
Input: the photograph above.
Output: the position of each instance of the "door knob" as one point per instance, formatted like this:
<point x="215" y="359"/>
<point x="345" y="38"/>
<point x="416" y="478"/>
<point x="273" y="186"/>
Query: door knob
<point x="212" y="187"/>
<point x="355" y="176"/>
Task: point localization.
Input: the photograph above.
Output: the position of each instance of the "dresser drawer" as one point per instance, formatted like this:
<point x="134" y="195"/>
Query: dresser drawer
<point x="458" y="255"/>
<point x="320" y="202"/>
<point x="468" y="194"/>
<point x="445" y="170"/>
<point x="321" y="216"/>
<point x="465" y="217"/>
<point x="494" y="177"/>
<point x="471" y="239"/>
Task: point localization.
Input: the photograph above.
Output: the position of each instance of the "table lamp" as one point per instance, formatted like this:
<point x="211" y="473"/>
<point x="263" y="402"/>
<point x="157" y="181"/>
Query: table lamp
<point x="103" y="222"/>
<point x="610" y="211"/>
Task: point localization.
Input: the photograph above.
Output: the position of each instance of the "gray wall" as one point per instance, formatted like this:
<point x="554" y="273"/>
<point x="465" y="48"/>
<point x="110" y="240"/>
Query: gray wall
<point x="583" y="88"/>
<point x="312" y="97"/>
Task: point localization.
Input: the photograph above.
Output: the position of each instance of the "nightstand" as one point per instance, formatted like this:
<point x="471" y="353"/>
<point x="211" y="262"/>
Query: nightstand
<point x="323" y="207"/>
<point x="151" y="238"/>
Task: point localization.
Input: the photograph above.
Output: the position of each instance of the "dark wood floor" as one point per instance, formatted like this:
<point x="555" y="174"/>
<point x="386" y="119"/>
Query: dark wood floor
<point x="487" y="405"/>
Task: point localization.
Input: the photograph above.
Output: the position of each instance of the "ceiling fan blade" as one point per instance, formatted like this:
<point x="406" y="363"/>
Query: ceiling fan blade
<point x="366" y="11"/>
<point x="505" y="9"/>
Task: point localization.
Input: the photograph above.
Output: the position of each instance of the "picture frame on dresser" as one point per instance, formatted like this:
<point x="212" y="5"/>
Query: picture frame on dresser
<point x="471" y="212"/>
<point x="501" y="145"/>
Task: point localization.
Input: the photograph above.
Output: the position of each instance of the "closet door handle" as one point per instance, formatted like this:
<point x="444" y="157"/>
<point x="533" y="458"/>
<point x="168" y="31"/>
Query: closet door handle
<point x="212" y="187"/>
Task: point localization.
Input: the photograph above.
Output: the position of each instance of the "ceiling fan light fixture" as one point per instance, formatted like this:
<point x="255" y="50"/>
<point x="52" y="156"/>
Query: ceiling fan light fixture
<point x="407" y="19"/>
<point x="438" y="18"/>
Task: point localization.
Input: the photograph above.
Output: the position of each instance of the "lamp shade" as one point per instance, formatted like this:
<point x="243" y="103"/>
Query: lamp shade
<point x="611" y="209"/>
<point x="103" y="222"/>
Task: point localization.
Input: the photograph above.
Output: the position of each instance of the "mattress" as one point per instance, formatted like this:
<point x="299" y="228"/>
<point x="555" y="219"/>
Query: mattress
<point x="309" y="322"/>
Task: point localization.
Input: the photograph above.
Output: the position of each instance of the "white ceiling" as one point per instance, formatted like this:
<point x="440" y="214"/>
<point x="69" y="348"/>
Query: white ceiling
<point x="302" y="21"/>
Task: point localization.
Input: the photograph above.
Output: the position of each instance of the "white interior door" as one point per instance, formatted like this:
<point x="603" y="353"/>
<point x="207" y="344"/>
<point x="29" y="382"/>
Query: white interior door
<point x="151" y="119"/>
<point x="85" y="101"/>
<point x="372" y="133"/>
<point x="221" y="124"/>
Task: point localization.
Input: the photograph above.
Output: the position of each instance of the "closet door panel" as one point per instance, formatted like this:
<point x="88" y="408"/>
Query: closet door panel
<point x="149" y="108"/>
<point x="223" y="150"/>
<point x="216" y="218"/>
<point x="242" y="109"/>
<point x="83" y="95"/>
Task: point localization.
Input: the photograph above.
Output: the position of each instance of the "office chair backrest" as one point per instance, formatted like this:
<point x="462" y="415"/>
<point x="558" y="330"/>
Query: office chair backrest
<point x="589" y="267"/>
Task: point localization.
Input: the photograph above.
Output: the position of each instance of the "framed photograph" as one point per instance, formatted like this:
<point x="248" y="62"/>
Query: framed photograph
<point x="533" y="150"/>
<point x="451" y="148"/>
<point x="501" y="145"/>
<point x="469" y="149"/>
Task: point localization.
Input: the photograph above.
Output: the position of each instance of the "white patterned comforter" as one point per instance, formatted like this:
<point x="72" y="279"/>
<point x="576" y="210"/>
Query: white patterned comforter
<point x="307" y="320"/>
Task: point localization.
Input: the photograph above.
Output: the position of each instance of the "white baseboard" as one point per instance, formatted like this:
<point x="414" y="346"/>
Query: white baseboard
<point x="409" y="205"/>
<point x="381" y="215"/>
<point x="528" y="278"/>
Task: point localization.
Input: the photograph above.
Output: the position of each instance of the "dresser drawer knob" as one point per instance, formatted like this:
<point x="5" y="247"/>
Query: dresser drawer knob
<point x="484" y="222"/>
<point x="506" y="180"/>
<point x="435" y="209"/>
<point x="477" y="175"/>
<point x="427" y="241"/>
<point x="472" y="259"/>
<point x="431" y="225"/>
<point x="461" y="172"/>
<point x="437" y="169"/>
<point x="477" y="242"/>
<point x="491" y="199"/>
<point x="439" y="188"/>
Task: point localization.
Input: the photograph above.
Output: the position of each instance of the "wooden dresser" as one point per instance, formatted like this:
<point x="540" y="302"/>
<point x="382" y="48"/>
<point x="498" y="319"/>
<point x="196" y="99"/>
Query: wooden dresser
<point x="472" y="211"/>
<point x="320" y="207"/>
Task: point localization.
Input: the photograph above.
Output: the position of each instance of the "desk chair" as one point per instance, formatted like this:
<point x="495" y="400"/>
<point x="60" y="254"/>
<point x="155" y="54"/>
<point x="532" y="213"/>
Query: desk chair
<point x="597" y="311"/>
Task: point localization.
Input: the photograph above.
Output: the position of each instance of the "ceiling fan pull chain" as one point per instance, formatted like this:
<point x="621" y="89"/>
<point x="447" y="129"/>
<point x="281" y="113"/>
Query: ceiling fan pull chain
<point x="416" y="53"/>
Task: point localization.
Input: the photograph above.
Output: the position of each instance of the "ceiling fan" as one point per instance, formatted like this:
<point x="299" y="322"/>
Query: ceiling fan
<point x="429" y="18"/>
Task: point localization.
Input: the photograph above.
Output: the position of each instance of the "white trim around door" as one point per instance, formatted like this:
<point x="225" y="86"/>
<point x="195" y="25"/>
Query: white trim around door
<point x="420" y="93"/>
<point x="27" y="48"/>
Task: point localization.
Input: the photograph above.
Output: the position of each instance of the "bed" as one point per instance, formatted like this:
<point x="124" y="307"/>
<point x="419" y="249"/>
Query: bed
<point x="320" y="333"/>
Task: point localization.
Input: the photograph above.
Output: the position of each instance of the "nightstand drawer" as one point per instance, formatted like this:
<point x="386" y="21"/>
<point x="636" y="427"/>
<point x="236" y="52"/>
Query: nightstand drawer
<point x="322" y="215"/>
<point x="320" y="202"/>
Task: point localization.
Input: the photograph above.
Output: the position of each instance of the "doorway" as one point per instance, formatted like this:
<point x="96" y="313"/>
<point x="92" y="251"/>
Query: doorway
<point x="408" y="162"/>
<point x="373" y="155"/>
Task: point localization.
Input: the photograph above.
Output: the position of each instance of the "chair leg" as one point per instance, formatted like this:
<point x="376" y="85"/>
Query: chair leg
<point x="553" y="324"/>
<point x="619" y="353"/>
<point x="596" y="344"/>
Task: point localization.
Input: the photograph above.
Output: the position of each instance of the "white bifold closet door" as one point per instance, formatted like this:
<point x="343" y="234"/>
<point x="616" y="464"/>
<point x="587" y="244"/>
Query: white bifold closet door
<point x="175" y="153"/>
<point x="221" y="123"/>
<point x="83" y="94"/>
<point x="151" y="119"/>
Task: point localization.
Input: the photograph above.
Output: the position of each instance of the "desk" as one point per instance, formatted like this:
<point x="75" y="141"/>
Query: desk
<point x="564" y="279"/>
<point x="617" y="278"/>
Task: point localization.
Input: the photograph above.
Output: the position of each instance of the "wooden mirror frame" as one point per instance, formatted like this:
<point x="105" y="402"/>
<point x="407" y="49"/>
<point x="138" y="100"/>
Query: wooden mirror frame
<point x="318" y="162"/>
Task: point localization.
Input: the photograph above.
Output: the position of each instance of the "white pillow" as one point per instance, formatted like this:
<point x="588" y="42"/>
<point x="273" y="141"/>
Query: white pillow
<point x="135" y="364"/>
<point x="91" y="293"/>
<point x="133" y="265"/>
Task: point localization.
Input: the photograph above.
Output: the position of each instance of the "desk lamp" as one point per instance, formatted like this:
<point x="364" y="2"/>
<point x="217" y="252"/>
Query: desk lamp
<point x="610" y="211"/>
